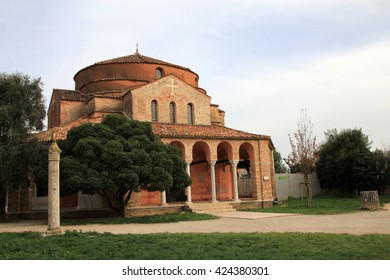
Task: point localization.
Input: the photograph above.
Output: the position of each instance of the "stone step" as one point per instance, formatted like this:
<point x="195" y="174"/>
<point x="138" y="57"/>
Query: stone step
<point x="209" y="207"/>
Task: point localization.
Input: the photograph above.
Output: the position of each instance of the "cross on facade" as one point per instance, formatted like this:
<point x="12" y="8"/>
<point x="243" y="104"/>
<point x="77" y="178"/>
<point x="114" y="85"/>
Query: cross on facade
<point x="172" y="86"/>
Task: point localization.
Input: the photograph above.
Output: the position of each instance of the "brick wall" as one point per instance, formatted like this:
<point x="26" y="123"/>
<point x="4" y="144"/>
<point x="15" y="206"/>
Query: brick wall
<point x="181" y="95"/>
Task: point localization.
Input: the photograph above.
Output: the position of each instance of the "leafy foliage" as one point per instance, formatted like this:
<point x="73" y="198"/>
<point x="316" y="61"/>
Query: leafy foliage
<point x="280" y="167"/>
<point x="382" y="167"/>
<point x="346" y="162"/>
<point x="22" y="111"/>
<point x="119" y="157"/>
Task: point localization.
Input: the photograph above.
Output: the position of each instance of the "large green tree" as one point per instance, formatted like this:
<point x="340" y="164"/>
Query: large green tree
<point x="279" y="164"/>
<point x="382" y="167"/>
<point x="346" y="162"/>
<point x="117" y="158"/>
<point x="22" y="111"/>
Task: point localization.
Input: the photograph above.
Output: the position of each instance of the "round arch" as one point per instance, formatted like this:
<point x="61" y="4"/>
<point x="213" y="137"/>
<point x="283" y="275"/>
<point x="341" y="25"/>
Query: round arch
<point x="224" y="172"/>
<point x="246" y="167"/>
<point x="180" y="145"/>
<point x="200" y="152"/>
<point x="200" y="172"/>
<point x="224" y="151"/>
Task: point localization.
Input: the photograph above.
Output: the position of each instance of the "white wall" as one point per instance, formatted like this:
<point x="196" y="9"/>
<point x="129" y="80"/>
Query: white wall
<point x="288" y="185"/>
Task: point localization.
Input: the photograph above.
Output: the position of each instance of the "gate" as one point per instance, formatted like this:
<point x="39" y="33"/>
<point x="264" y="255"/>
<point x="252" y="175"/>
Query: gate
<point x="244" y="186"/>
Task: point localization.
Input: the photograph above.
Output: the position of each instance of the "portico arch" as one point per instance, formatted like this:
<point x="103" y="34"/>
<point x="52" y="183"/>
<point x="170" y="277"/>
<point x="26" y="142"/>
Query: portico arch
<point x="200" y="172"/>
<point x="174" y="195"/>
<point x="223" y="171"/>
<point x="181" y="146"/>
<point x="245" y="168"/>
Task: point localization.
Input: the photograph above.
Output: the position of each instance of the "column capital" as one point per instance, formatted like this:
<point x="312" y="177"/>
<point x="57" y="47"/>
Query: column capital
<point x="234" y="162"/>
<point x="212" y="162"/>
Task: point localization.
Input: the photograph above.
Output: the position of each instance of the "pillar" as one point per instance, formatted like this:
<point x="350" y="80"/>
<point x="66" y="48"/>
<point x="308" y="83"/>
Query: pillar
<point x="163" y="198"/>
<point x="54" y="189"/>
<point x="79" y="202"/>
<point x="213" y="186"/>
<point x="189" y="198"/>
<point x="235" y="185"/>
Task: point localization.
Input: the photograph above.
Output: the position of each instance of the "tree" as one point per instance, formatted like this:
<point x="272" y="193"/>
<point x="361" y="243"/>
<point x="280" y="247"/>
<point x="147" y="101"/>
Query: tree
<point x="22" y="111"/>
<point x="304" y="152"/>
<point x="346" y="162"/>
<point x="382" y="167"/>
<point x="117" y="158"/>
<point x="280" y="167"/>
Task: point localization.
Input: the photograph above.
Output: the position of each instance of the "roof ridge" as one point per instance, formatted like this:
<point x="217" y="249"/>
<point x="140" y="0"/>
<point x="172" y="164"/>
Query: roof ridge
<point x="138" y="58"/>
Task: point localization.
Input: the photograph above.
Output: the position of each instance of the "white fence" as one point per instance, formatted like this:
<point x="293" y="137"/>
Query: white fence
<point x="289" y="185"/>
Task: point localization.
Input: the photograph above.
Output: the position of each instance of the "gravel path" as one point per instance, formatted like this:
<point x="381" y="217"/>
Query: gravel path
<point x="363" y="222"/>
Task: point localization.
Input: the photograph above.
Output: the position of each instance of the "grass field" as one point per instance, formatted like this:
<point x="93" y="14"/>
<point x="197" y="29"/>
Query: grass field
<point x="231" y="246"/>
<point x="154" y="219"/>
<point x="322" y="205"/>
<point x="277" y="246"/>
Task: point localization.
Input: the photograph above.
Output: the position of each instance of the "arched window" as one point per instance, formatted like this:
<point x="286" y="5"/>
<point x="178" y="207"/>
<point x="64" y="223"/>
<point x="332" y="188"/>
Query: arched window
<point x="159" y="73"/>
<point x="190" y="113"/>
<point x="172" y="112"/>
<point x="154" y="111"/>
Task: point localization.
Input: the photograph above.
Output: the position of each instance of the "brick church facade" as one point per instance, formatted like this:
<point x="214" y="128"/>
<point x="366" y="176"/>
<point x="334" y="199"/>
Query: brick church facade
<point x="225" y="165"/>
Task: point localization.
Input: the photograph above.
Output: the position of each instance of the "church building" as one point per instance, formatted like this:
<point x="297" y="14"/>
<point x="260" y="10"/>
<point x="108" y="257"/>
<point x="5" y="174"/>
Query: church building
<point x="227" y="166"/>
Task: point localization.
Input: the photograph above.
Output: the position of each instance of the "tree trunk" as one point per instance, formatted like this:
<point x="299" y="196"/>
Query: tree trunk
<point x="3" y="214"/>
<point x="309" y="192"/>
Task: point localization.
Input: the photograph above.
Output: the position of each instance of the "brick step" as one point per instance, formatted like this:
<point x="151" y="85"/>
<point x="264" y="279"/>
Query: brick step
<point x="209" y="207"/>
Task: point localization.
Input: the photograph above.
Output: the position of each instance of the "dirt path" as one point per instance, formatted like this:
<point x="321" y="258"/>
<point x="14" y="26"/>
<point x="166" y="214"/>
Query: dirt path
<point x="363" y="222"/>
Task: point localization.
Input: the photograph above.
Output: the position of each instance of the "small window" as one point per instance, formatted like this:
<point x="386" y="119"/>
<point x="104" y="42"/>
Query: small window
<point x="154" y="111"/>
<point x="159" y="73"/>
<point x="190" y="113"/>
<point x="172" y="112"/>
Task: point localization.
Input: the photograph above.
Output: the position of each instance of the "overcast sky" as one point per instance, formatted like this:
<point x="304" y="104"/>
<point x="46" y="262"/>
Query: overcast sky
<point x="261" y="61"/>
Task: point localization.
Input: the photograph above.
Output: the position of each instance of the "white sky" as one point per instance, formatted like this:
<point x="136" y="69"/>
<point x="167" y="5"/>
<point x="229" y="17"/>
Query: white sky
<point x="261" y="61"/>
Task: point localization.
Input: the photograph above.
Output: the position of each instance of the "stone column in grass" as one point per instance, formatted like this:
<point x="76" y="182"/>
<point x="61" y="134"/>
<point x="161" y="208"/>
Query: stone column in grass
<point x="54" y="188"/>
<point x="369" y="200"/>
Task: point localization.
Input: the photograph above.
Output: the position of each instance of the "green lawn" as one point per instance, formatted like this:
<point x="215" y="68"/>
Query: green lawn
<point x="278" y="246"/>
<point x="154" y="219"/>
<point x="322" y="205"/>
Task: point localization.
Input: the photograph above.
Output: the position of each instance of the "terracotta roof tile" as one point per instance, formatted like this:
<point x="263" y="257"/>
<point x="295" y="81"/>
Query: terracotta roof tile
<point x="138" y="58"/>
<point x="62" y="130"/>
<point x="71" y="95"/>
<point x="163" y="130"/>
<point x="202" y="131"/>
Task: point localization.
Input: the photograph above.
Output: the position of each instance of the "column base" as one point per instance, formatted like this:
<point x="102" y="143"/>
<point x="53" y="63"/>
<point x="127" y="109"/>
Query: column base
<point x="163" y="204"/>
<point x="54" y="231"/>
